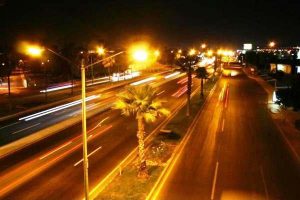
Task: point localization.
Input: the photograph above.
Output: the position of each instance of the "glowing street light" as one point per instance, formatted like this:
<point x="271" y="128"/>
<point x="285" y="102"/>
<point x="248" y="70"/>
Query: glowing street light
<point x="179" y="51"/>
<point x="272" y="44"/>
<point x="192" y="52"/>
<point x="209" y="53"/>
<point x="140" y="55"/>
<point x="34" y="50"/>
<point x="100" y="51"/>
<point x="203" y="46"/>
<point x="156" y="53"/>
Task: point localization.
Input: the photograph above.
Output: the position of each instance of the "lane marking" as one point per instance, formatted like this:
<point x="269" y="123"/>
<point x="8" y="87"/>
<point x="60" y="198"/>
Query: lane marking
<point x="88" y="156"/>
<point x="223" y="123"/>
<point x="227" y="96"/>
<point x="25" y="128"/>
<point x="214" y="182"/>
<point x="44" y="165"/>
<point x="264" y="182"/>
<point x="55" y="150"/>
<point x="9" y="125"/>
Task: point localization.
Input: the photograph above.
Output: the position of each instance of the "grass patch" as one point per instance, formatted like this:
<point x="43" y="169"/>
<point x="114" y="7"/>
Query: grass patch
<point x="128" y="186"/>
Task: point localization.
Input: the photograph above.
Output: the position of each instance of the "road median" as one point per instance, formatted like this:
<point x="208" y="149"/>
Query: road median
<point x="122" y="182"/>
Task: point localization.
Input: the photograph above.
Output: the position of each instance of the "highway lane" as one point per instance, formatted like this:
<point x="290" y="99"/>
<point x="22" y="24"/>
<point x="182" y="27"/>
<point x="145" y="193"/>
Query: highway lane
<point x="61" y="179"/>
<point x="235" y="151"/>
<point x="20" y="128"/>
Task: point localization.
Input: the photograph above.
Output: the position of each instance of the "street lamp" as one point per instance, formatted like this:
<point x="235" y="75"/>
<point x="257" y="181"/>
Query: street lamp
<point x="140" y="55"/>
<point x="191" y="53"/>
<point x="36" y="52"/>
<point x="100" y="51"/>
<point x="272" y="44"/>
<point x="203" y="46"/>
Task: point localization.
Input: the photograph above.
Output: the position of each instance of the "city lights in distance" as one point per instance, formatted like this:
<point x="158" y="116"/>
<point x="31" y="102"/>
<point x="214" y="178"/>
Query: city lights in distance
<point x="272" y="44"/>
<point x="192" y="52"/>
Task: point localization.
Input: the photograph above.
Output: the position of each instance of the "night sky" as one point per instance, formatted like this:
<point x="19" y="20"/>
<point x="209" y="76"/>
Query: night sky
<point x="172" y="23"/>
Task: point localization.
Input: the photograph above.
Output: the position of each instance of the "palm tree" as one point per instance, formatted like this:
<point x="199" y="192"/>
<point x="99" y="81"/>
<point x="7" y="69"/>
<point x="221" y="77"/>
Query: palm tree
<point x="142" y="102"/>
<point x="201" y="73"/>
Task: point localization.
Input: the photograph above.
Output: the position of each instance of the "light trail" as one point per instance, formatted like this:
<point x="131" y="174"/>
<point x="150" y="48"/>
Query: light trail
<point x="172" y="75"/>
<point x="184" y="80"/>
<point x="9" y="125"/>
<point x="55" y="150"/>
<point x="160" y="93"/>
<point x="214" y="182"/>
<point x="43" y="166"/>
<point x="180" y="92"/>
<point x="57" y="108"/>
<point x="88" y="156"/>
<point x="98" y="82"/>
<point x="143" y="81"/>
<point x="25" y="128"/>
<point x="56" y="88"/>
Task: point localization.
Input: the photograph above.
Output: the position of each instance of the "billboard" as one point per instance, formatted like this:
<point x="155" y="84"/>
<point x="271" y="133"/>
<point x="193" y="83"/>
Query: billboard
<point x="247" y="46"/>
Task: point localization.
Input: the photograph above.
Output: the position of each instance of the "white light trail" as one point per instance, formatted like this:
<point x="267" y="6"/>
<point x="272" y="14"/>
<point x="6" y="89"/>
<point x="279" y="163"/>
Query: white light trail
<point x="143" y="81"/>
<point x="172" y="75"/>
<point x="56" y="88"/>
<point x="57" y="108"/>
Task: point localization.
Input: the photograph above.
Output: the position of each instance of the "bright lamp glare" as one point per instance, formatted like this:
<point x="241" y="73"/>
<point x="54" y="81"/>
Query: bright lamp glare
<point x="140" y="55"/>
<point x="34" y="51"/>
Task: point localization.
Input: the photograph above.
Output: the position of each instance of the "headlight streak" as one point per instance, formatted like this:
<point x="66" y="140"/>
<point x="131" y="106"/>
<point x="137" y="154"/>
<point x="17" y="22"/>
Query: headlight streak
<point x="143" y="81"/>
<point x="172" y="75"/>
<point x="55" y="109"/>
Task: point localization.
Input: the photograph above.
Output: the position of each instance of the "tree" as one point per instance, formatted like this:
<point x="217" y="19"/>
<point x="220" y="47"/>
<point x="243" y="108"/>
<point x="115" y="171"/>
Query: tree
<point x="201" y="73"/>
<point x="142" y="102"/>
<point x="7" y="66"/>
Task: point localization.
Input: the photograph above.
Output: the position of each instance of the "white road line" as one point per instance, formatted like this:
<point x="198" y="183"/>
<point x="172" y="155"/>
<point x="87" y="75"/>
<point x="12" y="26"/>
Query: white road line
<point x="215" y="181"/>
<point x="99" y="124"/>
<point x="48" y="154"/>
<point x="88" y="156"/>
<point x="9" y="125"/>
<point x="25" y="128"/>
<point x="264" y="182"/>
<point x="223" y="123"/>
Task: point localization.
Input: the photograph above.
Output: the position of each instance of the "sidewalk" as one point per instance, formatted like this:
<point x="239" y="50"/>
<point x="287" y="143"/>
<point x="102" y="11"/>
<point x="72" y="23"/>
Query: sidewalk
<point x="284" y="119"/>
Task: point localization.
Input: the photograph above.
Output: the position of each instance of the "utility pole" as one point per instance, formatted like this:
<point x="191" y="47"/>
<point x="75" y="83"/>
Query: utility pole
<point x="84" y="134"/>
<point x="46" y="81"/>
<point x="189" y="88"/>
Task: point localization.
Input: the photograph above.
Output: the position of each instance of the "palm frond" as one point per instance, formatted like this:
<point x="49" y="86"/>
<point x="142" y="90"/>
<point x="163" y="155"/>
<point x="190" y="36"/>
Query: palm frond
<point x="142" y="101"/>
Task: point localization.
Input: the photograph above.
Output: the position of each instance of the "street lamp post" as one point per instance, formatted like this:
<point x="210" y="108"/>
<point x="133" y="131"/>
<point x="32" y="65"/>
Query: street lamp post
<point x="139" y="56"/>
<point x="189" y="88"/>
<point x="191" y="53"/>
<point x="84" y="134"/>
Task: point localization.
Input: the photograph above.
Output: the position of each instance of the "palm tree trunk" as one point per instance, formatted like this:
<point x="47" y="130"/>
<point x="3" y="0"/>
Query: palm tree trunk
<point x="143" y="171"/>
<point x="201" y="88"/>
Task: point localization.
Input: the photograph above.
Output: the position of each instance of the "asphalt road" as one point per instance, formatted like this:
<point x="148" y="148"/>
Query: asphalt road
<point x="235" y="151"/>
<point x="51" y="168"/>
<point x="16" y="128"/>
